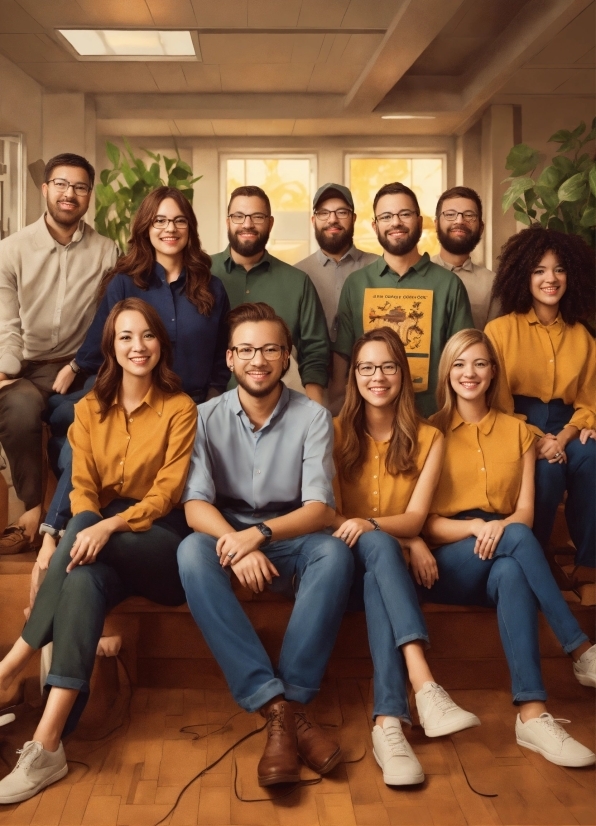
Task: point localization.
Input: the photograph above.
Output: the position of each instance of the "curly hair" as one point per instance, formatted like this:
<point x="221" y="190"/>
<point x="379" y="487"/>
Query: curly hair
<point x="521" y="255"/>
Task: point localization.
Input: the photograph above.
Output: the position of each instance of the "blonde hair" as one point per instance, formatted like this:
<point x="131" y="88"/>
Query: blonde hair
<point x="446" y="396"/>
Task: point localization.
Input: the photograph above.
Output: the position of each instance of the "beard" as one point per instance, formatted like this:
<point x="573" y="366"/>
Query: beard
<point x="255" y="392"/>
<point x="400" y="246"/>
<point x="250" y="246"/>
<point x="334" y="243"/>
<point x="459" y="246"/>
<point x="65" y="219"/>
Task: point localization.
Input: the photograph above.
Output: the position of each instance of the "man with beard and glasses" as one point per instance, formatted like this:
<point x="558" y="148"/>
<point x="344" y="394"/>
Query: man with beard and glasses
<point x="459" y="228"/>
<point x="49" y="275"/>
<point x="337" y="257"/>
<point x="250" y="273"/>
<point x="405" y="291"/>
<point x="259" y="498"/>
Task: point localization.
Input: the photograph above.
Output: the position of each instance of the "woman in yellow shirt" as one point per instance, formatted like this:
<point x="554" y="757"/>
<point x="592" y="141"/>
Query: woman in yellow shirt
<point x="388" y="461"/>
<point x="486" y="553"/>
<point x="546" y="287"/>
<point x="132" y="440"/>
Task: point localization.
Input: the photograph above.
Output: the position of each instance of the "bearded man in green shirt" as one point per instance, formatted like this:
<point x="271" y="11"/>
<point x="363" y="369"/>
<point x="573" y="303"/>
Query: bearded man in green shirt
<point x="403" y="290"/>
<point x="250" y="274"/>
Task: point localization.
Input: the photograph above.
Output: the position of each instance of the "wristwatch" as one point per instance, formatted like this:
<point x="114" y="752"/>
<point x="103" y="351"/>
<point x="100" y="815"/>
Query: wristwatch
<point x="267" y="533"/>
<point x="374" y="523"/>
<point x="74" y="367"/>
<point x="45" y="528"/>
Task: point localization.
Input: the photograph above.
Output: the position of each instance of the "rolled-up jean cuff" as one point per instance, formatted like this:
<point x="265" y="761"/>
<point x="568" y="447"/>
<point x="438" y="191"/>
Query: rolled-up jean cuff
<point x="530" y="697"/>
<point x="412" y="638"/>
<point x="299" y="694"/>
<point x="67" y="682"/>
<point x="405" y="718"/>
<point x="576" y="643"/>
<point x="266" y="692"/>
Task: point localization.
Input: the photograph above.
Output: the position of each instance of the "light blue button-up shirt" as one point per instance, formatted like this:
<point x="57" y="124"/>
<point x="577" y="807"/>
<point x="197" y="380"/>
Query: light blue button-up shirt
<point x="260" y="474"/>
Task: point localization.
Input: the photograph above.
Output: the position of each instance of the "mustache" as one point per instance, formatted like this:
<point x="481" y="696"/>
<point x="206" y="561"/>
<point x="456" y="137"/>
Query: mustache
<point x="400" y="227"/>
<point x="336" y="225"/>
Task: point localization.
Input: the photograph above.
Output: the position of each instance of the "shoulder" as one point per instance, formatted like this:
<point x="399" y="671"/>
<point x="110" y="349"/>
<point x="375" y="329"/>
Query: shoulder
<point x="504" y="423"/>
<point x="21" y="240"/>
<point x="307" y="263"/>
<point x="503" y="324"/>
<point x="217" y="407"/>
<point x="364" y="258"/>
<point x="428" y="433"/>
<point x="306" y="409"/>
<point x="217" y="286"/>
<point x="179" y="403"/>
<point x="287" y="270"/>
<point x="92" y="238"/>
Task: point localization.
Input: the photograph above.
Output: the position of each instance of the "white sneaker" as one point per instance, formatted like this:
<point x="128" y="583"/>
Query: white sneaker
<point x="438" y="713"/>
<point x="394" y="755"/>
<point x="545" y="736"/>
<point x="35" y="770"/>
<point x="585" y="668"/>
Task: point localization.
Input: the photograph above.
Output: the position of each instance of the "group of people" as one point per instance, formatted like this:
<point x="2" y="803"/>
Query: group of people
<point x="438" y="480"/>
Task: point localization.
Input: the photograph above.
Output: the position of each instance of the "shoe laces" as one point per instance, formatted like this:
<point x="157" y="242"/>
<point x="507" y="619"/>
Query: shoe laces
<point x="276" y="722"/>
<point x="396" y="740"/>
<point x="439" y="698"/>
<point x="302" y="722"/>
<point x="28" y="754"/>
<point x="552" y="724"/>
<point x="588" y="658"/>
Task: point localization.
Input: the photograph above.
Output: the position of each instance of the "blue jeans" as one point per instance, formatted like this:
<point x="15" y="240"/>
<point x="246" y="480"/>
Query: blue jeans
<point x="393" y="618"/>
<point x="577" y="476"/>
<point x="518" y="581"/>
<point x="316" y="569"/>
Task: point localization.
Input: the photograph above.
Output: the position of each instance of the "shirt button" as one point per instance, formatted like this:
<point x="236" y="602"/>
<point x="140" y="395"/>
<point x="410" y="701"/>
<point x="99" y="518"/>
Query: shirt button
<point x="258" y="471"/>
<point x="173" y="319"/>
<point x="375" y="492"/>
<point x="128" y="437"/>
<point x="375" y="476"/>
<point x="479" y="451"/>
<point x="483" y="468"/>
<point x="247" y="292"/>
<point x="375" y="509"/>
<point x="376" y="457"/>
<point x="121" y="463"/>
<point x="131" y="421"/>
<point x="551" y="361"/>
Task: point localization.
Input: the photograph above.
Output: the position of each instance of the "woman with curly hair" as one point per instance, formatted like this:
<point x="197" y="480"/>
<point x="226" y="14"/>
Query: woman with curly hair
<point x="388" y="461"/>
<point x="547" y="353"/>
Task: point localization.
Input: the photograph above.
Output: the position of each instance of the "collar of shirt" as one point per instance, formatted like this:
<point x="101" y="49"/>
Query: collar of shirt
<point x="154" y="399"/>
<point x="485" y="425"/>
<point x="230" y="264"/>
<point x="325" y="259"/>
<point x="468" y="266"/>
<point x="381" y="267"/>
<point x="43" y="237"/>
<point x="279" y="408"/>
<point x="162" y="277"/>
<point x="532" y="318"/>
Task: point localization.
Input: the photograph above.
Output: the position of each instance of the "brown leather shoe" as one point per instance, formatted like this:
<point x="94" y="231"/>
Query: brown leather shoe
<point x="13" y="540"/>
<point x="315" y="747"/>
<point x="279" y="763"/>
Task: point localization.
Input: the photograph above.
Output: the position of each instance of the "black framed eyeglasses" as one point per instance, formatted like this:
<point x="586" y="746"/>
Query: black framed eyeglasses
<point x="388" y="368"/>
<point x="161" y="222"/>
<point x="402" y="215"/>
<point x="272" y="352"/>
<point x="325" y="214"/>
<point x="257" y="218"/>
<point x="468" y="216"/>
<point x="62" y="185"/>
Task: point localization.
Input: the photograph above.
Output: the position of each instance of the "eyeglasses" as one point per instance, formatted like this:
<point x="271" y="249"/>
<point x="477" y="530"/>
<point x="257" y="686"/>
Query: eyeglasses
<point x="403" y="215"/>
<point x="62" y="185"/>
<point x="468" y="216"/>
<point x="272" y="352"/>
<point x="256" y="217"/>
<point x="325" y="214"/>
<point x="161" y="222"/>
<point x="388" y="368"/>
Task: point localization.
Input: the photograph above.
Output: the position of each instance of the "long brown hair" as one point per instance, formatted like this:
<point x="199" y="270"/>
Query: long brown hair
<point x="403" y="444"/>
<point x="139" y="260"/>
<point x="109" y="376"/>
<point x="446" y="395"/>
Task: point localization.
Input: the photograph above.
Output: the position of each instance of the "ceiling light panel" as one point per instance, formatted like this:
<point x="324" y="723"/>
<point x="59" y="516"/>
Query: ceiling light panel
<point x="115" y="43"/>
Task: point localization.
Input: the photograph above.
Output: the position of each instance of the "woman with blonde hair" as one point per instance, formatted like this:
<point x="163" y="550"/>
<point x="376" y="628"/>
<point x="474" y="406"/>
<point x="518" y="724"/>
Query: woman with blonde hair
<point x="388" y="461"/>
<point x="480" y="529"/>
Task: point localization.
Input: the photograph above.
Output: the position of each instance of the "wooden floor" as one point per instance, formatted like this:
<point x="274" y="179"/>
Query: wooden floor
<point x="134" y="776"/>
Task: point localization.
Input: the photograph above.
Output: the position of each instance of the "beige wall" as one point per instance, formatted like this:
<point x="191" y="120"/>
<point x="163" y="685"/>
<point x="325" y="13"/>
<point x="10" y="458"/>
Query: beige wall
<point x="21" y="112"/>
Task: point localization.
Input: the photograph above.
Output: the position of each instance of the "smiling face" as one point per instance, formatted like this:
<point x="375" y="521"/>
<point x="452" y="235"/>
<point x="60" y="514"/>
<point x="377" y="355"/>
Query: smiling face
<point x="459" y="237"/>
<point x="378" y="390"/>
<point x="334" y="233"/>
<point x="548" y="282"/>
<point x="249" y="238"/>
<point x="135" y="345"/>
<point x="257" y="376"/>
<point x="171" y="239"/>
<point x="397" y="236"/>
<point x="66" y="208"/>
<point x="471" y="373"/>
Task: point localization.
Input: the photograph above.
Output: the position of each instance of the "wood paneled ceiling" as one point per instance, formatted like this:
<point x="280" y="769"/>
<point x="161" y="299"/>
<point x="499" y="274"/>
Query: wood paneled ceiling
<point x="303" y="66"/>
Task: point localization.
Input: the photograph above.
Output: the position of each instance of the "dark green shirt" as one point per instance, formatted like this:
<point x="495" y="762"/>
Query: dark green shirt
<point x="293" y="296"/>
<point x="426" y="306"/>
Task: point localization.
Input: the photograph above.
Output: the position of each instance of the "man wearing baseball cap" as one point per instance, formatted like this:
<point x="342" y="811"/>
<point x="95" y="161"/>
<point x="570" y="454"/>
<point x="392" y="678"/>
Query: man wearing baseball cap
<point x="333" y="221"/>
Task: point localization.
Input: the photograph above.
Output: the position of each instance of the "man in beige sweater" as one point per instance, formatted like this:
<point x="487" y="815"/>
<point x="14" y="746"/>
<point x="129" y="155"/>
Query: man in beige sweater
<point x="49" y="275"/>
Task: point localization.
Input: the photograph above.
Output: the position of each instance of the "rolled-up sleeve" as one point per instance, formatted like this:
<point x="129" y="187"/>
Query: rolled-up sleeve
<point x="318" y="469"/>
<point x="199" y="483"/>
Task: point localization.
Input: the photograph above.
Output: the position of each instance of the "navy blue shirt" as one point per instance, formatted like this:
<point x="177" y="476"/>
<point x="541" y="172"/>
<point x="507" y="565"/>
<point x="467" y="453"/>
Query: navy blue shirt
<point x="199" y="342"/>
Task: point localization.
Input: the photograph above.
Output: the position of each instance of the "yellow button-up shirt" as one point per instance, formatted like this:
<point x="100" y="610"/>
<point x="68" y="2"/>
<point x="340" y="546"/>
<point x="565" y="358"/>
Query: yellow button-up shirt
<point x="376" y="492"/>
<point x="555" y="361"/>
<point x="483" y="465"/>
<point x="144" y="455"/>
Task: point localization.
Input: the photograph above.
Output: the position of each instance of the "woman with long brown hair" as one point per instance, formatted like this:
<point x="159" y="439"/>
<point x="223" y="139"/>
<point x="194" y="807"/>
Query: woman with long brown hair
<point x="132" y="440"/>
<point x="388" y="461"/>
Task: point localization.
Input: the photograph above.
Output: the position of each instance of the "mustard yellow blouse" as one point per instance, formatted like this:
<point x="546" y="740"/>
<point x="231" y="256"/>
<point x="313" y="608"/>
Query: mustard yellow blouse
<point x="557" y="361"/>
<point x="376" y="492"/>
<point x="142" y="456"/>
<point x="483" y="463"/>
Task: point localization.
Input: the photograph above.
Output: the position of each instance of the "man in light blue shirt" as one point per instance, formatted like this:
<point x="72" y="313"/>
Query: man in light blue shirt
<point x="259" y="497"/>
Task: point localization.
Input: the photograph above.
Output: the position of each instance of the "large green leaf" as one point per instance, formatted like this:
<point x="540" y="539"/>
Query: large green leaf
<point x="564" y="165"/>
<point x="579" y="130"/>
<point x="556" y="223"/>
<point x="517" y="188"/>
<point x="548" y="196"/>
<point x="522" y="218"/>
<point x="522" y="159"/>
<point x="561" y="136"/>
<point x="550" y="176"/>
<point x="113" y="153"/>
<point x="574" y="188"/>
<point x="592" y="179"/>
<point x="588" y="218"/>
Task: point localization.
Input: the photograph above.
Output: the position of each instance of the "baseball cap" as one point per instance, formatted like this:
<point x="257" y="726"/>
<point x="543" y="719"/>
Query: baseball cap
<point x="330" y="190"/>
